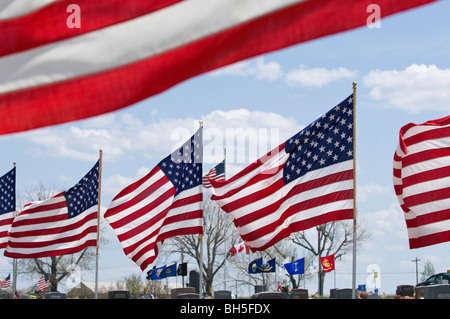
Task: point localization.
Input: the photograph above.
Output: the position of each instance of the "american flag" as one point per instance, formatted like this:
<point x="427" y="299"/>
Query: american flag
<point x="216" y="173"/>
<point x="306" y="181"/>
<point x="5" y="283"/>
<point x="7" y="204"/>
<point x="167" y="202"/>
<point x="53" y="71"/>
<point x="43" y="283"/>
<point x="63" y="224"/>
<point x="422" y="183"/>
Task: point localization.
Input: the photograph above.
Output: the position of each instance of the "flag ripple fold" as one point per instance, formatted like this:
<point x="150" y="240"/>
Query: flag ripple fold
<point x="422" y="181"/>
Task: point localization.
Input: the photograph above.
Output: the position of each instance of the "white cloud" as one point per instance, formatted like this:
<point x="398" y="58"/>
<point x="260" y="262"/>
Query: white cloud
<point x="256" y="67"/>
<point x="389" y="224"/>
<point x="115" y="183"/>
<point x="364" y="191"/>
<point x="317" y="77"/>
<point x="251" y="133"/>
<point x="271" y="71"/>
<point x="414" y="89"/>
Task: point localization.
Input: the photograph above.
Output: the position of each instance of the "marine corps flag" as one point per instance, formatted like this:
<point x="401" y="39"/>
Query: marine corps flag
<point x="327" y="263"/>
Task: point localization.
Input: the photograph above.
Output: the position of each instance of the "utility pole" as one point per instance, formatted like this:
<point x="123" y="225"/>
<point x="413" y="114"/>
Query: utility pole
<point x="417" y="271"/>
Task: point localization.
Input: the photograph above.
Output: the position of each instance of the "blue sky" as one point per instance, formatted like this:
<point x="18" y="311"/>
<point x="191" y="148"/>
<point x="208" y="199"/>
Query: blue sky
<point x="402" y="72"/>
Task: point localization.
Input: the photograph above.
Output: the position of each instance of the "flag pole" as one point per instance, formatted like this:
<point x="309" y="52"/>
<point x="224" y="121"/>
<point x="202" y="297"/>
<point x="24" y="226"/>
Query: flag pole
<point x="14" y="285"/>
<point x="225" y="256"/>
<point x="201" y="236"/>
<point x="354" y="195"/>
<point x="98" y="220"/>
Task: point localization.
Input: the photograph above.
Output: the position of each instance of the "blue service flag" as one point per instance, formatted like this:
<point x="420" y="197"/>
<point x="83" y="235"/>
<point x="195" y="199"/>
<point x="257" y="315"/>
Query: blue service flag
<point x="170" y="271"/>
<point x="257" y="266"/>
<point x="253" y="267"/>
<point x="156" y="273"/>
<point x="296" y="268"/>
<point x="268" y="266"/>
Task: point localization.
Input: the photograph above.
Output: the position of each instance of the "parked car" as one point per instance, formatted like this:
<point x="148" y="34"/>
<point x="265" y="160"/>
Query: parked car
<point x="435" y="279"/>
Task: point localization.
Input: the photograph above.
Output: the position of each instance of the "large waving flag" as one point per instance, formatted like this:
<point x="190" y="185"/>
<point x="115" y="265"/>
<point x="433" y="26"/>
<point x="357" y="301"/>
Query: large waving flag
<point x="167" y="202"/>
<point x="7" y="204"/>
<point x="306" y="181"/>
<point x="63" y="224"/>
<point x="61" y="62"/>
<point x="422" y="181"/>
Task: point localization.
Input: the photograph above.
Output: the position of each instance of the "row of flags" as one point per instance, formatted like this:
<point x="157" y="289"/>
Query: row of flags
<point x="306" y="181"/>
<point x="157" y="273"/>
<point x="296" y="267"/>
<point x="43" y="282"/>
<point x="168" y="201"/>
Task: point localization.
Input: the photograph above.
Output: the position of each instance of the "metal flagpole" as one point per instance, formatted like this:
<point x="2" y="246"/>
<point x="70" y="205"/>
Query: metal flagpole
<point x="98" y="221"/>
<point x="355" y="211"/>
<point x="201" y="236"/>
<point x="225" y="255"/>
<point x="14" y="285"/>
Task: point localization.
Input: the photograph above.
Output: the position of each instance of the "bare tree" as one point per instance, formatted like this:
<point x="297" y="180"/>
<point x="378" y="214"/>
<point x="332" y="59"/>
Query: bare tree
<point x="428" y="270"/>
<point x="330" y="238"/>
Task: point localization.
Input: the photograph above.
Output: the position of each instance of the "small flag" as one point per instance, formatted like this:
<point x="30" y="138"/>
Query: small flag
<point x="158" y="273"/>
<point x="312" y="267"/>
<point x="239" y="249"/>
<point x="296" y="268"/>
<point x="327" y="263"/>
<point x="217" y="173"/>
<point x="6" y="283"/>
<point x="43" y="283"/>
<point x="268" y="266"/>
<point x="170" y="271"/>
<point x="182" y="269"/>
<point x="7" y="204"/>
<point x="253" y="267"/>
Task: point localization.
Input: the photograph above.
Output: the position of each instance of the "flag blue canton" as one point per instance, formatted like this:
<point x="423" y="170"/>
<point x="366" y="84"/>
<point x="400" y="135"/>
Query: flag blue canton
<point x="84" y="194"/>
<point x="8" y="192"/>
<point x="184" y="166"/>
<point x="220" y="168"/>
<point x="326" y="141"/>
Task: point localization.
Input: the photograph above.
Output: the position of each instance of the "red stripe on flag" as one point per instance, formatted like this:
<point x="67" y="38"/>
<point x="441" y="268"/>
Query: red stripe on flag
<point x="423" y="194"/>
<point x="106" y="91"/>
<point x="48" y="24"/>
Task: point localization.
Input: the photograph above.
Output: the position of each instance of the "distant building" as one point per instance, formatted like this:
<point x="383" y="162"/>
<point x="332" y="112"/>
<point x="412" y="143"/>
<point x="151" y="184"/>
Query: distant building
<point x="87" y="290"/>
